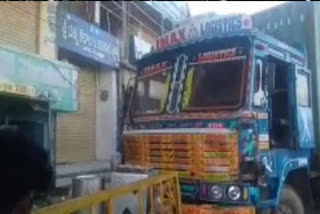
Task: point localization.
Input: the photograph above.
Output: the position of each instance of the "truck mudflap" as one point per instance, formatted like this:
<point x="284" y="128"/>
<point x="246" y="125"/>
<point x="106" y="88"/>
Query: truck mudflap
<point x="210" y="209"/>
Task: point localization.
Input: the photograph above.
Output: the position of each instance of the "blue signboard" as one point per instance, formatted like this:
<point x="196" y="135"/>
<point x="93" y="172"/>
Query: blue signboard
<point x="83" y="38"/>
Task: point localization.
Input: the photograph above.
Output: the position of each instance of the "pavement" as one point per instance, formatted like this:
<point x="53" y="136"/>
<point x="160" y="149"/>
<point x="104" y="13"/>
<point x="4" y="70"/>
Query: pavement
<point x="65" y="172"/>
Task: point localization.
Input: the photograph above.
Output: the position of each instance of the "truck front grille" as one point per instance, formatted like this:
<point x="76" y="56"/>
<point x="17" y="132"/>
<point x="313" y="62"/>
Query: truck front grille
<point x="212" y="157"/>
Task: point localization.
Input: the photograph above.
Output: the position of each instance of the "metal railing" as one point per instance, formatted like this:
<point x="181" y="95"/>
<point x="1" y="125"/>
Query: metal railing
<point x="162" y="191"/>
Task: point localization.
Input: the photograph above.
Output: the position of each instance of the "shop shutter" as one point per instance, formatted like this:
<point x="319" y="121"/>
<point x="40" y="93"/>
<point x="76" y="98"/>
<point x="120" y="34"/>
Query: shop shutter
<point x="76" y="132"/>
<point x="19" y="25"/>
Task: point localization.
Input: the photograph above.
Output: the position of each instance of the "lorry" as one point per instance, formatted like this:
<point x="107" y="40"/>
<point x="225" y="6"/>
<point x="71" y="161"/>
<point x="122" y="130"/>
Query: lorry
<point x="230" y="109"/>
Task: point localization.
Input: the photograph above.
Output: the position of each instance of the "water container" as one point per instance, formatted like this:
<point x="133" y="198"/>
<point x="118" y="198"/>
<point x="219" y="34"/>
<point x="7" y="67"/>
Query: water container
<point x="85" y="185"/>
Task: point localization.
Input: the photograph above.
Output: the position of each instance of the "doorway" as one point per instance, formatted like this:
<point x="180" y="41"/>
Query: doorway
<point x="280" y="132"/>
<point x="31" y="117"/>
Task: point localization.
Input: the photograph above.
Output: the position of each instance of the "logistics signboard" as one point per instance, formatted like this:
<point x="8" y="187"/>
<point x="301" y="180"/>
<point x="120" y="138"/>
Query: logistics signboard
<point x="202" y="27"/>
<point x="85" y="39"/>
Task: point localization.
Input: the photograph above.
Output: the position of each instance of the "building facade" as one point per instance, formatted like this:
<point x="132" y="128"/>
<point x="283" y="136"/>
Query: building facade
<point x="15" y="18"/>
<point x="34" y="88"/>
<point x="101" y="40"/>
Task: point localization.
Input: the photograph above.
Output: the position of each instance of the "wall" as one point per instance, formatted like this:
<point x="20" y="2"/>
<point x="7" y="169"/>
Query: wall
<point x="106" y="115"/>
<point x="76" y="133"/>
<point x="47" y="30"/>
<point x="19" y="25"/>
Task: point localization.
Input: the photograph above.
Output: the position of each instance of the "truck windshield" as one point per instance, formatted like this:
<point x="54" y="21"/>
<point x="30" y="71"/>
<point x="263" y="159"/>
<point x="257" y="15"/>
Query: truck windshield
<point x="217" y="85"/>
<point x="150" y="92"/>
<point x="209" y="80"/>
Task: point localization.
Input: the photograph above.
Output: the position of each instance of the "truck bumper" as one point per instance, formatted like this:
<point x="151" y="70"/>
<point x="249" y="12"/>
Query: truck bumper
<point x="209" y="209"/>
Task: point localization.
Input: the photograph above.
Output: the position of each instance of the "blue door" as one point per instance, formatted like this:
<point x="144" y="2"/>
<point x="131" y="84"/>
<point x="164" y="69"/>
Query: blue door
<point x="301" y="107"/>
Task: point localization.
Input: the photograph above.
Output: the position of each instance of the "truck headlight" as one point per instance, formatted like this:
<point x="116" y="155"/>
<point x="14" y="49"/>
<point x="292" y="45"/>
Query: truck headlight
<point x="216" y="192"/>
<point x="234" y="193"/>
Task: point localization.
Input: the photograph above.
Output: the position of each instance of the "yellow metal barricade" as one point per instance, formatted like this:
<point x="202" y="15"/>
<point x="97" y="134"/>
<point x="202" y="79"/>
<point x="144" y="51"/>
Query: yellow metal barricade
<point x="163" y="191"/>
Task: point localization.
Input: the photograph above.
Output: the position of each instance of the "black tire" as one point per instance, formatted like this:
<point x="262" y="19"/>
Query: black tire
<point x="126" y="211"/>
<point x="291" y="201"/>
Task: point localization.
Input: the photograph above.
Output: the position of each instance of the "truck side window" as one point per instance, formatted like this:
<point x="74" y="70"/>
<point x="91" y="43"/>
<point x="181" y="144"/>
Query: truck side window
<point x="303" y="95"/>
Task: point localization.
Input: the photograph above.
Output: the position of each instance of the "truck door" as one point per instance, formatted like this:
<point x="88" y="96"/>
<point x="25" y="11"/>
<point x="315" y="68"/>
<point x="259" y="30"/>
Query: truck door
<point x="301" y="111"/>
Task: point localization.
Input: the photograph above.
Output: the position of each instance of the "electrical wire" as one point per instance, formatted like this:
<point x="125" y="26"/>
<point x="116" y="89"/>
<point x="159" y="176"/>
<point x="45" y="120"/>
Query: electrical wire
<point x="136" y="19"/>
<point x="118" y="17"/>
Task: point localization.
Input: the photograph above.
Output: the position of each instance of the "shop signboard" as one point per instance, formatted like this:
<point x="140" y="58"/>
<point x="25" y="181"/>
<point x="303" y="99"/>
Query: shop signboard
<point x="13" y="88"/>
<point x="87" y="40"/>
<point x="203" y="27"/>
<point x="34" y="77"/>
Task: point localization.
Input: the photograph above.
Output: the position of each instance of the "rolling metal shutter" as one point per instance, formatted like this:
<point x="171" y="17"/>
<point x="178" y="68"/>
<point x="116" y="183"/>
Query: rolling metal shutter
<point x="76" y="133"/>
<point x="19" y="25"/>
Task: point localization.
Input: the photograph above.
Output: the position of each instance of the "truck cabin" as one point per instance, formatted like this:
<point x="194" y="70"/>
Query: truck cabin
<point x="245" y="72"/>
<point x="233" y="76"/>
<point x="282" y="89"/>
<point x="231" y="112"/>
<point x="246" y="95"/>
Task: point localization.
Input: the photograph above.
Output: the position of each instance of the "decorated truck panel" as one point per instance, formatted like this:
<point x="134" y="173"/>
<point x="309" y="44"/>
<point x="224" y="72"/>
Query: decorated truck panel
<point x="230" y="109"/>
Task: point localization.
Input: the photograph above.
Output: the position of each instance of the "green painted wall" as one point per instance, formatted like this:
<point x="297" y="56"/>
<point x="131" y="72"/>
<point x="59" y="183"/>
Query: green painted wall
<point x="51" y="80"/>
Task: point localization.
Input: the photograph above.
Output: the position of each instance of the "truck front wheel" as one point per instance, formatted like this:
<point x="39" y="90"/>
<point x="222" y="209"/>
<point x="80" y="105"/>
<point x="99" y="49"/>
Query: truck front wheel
<point x="290" y="202"/>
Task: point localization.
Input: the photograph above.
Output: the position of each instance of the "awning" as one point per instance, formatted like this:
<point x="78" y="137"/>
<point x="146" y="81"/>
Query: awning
<point x="32" y="76"/>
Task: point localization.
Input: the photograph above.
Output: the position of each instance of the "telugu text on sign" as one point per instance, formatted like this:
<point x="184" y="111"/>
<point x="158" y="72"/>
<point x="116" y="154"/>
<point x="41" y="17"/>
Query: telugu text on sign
<point x="83" y="38"/>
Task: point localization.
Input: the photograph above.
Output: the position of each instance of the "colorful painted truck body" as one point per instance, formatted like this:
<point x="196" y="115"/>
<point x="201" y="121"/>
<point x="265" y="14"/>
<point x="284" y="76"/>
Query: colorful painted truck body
<point x="229" y="108"/>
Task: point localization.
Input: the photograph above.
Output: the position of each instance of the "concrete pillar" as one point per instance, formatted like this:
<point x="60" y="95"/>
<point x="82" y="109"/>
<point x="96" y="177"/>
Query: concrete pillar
<point x="106" y="111"/>
<point x="47" y="29"/>
<point x="106" y="119"/>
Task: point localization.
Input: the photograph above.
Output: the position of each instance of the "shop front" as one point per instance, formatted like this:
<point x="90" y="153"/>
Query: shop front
<point x="32" y="91"/>
<point x="89" y="135"/>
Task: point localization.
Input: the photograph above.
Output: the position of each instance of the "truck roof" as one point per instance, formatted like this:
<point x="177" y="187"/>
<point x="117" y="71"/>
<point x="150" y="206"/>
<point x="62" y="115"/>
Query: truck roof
<point x="277" y="43"/>
<point x="253" y="33"/>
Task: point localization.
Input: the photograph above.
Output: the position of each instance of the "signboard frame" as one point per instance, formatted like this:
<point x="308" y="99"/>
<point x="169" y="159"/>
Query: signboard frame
<point x="87" y="40"/>
<point x="37" y="78"/>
